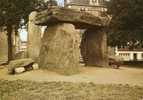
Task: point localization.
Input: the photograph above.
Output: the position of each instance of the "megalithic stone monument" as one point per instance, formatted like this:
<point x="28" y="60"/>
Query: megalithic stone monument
<point x="3" y="47"/>
<point x="34" y="37"/>
<point x="59" y="47"/>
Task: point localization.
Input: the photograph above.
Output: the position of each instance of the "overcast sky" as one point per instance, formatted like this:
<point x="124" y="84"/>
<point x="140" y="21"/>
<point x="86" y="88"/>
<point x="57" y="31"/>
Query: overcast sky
<point x="60" y="2"/>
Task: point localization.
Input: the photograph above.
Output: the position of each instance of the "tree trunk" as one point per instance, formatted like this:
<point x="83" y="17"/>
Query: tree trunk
<point x="9" y="39"/>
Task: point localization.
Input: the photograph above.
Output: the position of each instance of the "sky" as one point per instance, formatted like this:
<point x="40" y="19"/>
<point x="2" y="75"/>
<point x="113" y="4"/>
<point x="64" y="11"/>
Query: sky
<point x="23" y="32"/>
<point x="60" y="2"/>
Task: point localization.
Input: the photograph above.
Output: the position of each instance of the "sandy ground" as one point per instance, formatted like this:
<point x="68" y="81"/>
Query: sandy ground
<point x="124" y="75"/>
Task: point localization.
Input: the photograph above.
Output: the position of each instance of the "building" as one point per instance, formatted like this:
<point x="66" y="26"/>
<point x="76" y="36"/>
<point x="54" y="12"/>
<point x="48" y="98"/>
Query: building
<point x="23" y="46"/>
<point x="130" y="55"/>
<point x="15" y="41"/>
<point x="96" y="7"/>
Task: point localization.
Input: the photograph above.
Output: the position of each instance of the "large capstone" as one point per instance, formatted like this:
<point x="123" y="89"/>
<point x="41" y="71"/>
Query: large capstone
<point x="60" y="49"/>
<point x="65" y="15"/>
<point x="34" y="37"/>
<point x="94" y="48"/>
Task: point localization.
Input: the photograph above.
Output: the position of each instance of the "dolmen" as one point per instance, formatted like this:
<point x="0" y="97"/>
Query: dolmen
<point x="60" y="49"/>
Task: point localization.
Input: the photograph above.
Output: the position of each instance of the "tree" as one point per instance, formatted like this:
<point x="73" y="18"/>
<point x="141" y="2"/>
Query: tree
<point x="127" y="21"/>
<point x="12" y="12"/>
<point x="52" y="2"/>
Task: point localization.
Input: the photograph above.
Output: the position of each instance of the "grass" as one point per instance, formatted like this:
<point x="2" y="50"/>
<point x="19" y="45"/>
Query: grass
<point x="28" y="90"/>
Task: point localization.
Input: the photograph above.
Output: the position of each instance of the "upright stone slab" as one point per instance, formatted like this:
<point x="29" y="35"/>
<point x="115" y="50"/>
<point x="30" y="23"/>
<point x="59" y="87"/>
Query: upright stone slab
<point x="34" y="37"/>
<point x="59" y="49"/>
<point x="3" y="47"/>
<point x="94" y="48"/>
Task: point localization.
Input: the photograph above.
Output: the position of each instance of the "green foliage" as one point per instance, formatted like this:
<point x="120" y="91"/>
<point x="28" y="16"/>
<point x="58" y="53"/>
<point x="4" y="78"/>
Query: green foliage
<point x="127" y="21"/>
<point x="14" y="14"/>
<point x="53" y="2"/>
<point x="13" y="11"/>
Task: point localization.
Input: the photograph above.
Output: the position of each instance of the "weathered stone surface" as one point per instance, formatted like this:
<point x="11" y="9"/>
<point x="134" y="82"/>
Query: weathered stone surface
<point x="35" y="66"/>
<point x="20" y="55"/>
<point x="19" y="70"/>
<point x="34" y="37"/>
<point x="60" y="50"/>
<point x="94" y="48"/>
<point x="65" y="15"/>
<point x="26" y="63"/>
<point x="3" y="47"/>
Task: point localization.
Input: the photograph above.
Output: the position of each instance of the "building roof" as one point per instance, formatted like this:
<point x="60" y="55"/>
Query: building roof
<point x="127" y="49"/>
<point x="79" y="2"/>
<point x="83" y="2"/>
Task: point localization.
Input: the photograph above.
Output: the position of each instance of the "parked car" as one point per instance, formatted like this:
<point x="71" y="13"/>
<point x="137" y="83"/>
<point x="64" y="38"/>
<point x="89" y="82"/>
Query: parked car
<point x="115" y="62"/>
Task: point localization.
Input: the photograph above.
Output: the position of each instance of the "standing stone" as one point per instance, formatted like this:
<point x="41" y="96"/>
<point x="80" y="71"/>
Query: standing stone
<point x="60" y="50"/>
<point x="3" y="47"/>
<point x="94" y="48"/>
<point x="34" y="37"/>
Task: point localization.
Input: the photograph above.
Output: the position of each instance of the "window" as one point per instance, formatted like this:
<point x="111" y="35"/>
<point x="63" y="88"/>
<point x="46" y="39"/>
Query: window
<point x="94" y="2"/>
<point x="124" y="54"/>
<point x="83" y="9"/>
<point x="120" y="54"/>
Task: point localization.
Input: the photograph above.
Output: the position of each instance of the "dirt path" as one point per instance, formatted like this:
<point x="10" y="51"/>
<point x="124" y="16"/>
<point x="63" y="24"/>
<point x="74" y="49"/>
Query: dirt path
<point x="124" y="75"/>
